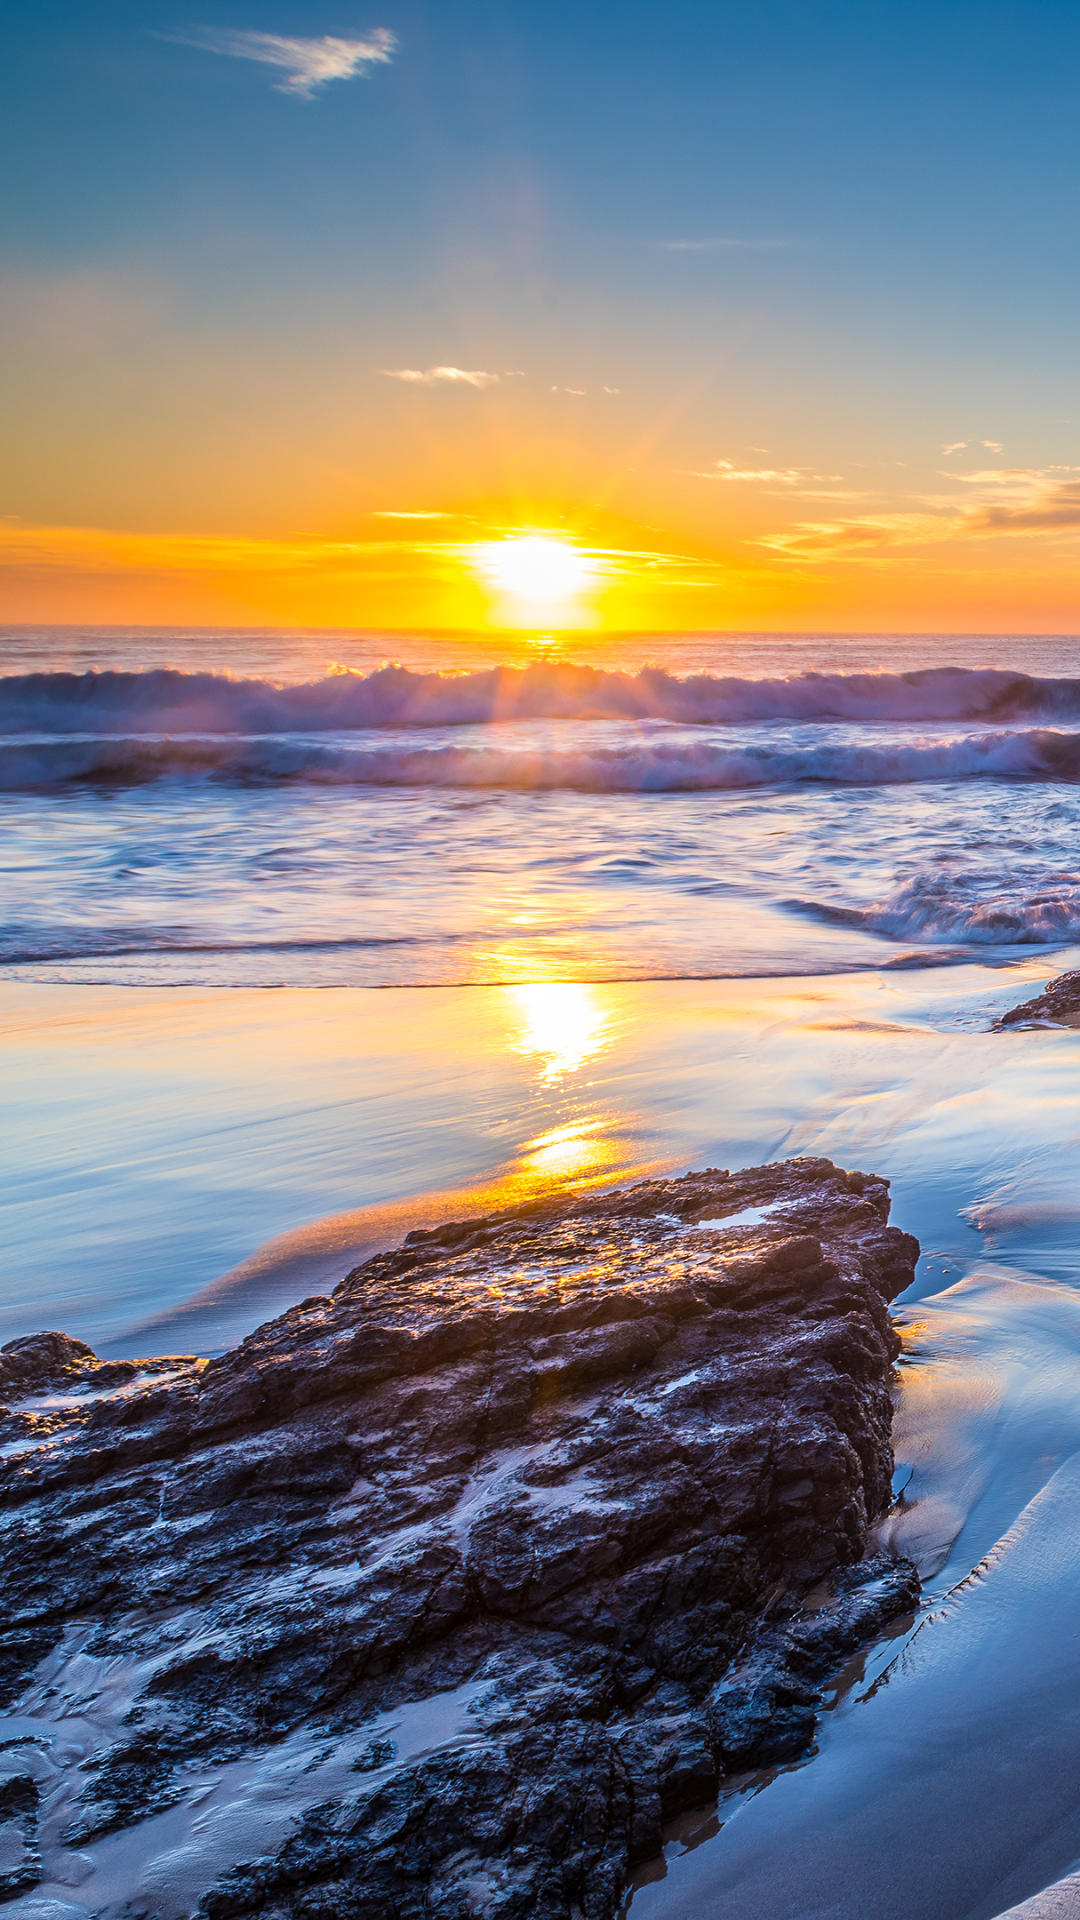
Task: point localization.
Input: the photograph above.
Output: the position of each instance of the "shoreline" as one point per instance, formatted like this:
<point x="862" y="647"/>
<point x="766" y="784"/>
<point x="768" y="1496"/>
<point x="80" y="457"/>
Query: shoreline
<point x="288" y="1128"/>
<point x="899" y="1071"/>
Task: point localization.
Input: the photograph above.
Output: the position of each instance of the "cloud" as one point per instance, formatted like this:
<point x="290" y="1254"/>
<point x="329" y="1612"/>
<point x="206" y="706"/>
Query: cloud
<point x="437" y="376"/>
<point x="1019" y="487"/>
<point x="780" y="476"/>
<point x="726" y="470"/>
<point x="1012" y="478"/>
<point x="307" y="64"/>
<point x="955" y="446"/>
<point x="993" y="446"/>
<point x="1054" y="507"/>
<point x="851" y="539"/>
<point x="420" y="513"/>
<point x="578" y="392"/>
<point x="1017" y="500"/>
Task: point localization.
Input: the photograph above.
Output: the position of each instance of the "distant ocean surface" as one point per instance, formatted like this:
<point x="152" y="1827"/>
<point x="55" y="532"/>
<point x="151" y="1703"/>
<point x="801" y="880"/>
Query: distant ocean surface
<point x="322" y="809"/>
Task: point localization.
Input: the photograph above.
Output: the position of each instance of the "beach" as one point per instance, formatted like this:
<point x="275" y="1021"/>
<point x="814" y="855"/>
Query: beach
<point x="258" y="1027"/>
<point x="183" y="1159"/>
<point x="193" y="1122"/>
<point x="303" y="1113"/>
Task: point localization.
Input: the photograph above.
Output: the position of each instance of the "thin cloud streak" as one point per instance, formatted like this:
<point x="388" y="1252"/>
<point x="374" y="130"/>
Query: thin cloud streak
<point x="784" y="476"/>
<point x="1018" y="500"/>
<point x="307" y="63"/>
<point x="438" y="376"/>
<point x="1057" y="507"/>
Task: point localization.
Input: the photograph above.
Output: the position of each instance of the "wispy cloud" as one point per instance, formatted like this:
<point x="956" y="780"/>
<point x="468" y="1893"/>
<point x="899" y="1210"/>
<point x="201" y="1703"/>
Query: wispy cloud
<point x="1014" y="500"/>
<point x="438" y="376"/>
<point x="726" y="470"/>
<point x="957" y="446"/>
<point x="853" y="539"/>
<point x="1050" y="505"/>
<point x="414" y="513"/>
<point x="1010" y="479"/>
<point x="778" y="476"/>
<point x="307" y="64"/>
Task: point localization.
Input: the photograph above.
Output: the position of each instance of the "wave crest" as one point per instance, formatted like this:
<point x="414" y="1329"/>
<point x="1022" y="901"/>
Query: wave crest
<point x="949" y="909"/>
<point x="167" y="700"/>
<point x="661" y="764"/>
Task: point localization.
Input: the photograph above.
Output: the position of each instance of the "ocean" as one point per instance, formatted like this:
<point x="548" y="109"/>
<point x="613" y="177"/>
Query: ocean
<point x="265" y="809"/>
<point x="310" y="939"/>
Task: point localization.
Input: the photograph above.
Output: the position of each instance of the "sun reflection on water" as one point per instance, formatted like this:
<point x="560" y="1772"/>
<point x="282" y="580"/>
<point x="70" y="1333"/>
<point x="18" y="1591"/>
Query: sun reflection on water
<point x="567" y="1153"/>
<point x="563" y="1022"/>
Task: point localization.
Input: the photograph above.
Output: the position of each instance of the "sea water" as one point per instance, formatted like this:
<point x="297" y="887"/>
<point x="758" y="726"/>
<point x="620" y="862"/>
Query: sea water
<point x="583" y="912"/>
<point x="543" y="821"/>
<point x="253" y="809"/>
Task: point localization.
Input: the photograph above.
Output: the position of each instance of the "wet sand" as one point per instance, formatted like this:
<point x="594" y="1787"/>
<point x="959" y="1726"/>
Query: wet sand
<point x="961" y="1736"/>
<point x="181" y="1164"/>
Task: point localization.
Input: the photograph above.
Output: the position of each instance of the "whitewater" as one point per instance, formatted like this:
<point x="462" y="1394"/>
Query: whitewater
<point x="264" y="810"/>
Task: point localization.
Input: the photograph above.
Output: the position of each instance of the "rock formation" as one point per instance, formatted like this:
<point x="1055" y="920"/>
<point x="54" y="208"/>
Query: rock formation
<point x="1057" y="1006"/>
<point x="439" y="1596"/>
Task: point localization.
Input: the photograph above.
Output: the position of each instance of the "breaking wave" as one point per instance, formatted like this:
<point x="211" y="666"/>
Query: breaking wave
<point x="167" y="700"/>
<point x="950" y="909"/>
<point x="629" y="763"/>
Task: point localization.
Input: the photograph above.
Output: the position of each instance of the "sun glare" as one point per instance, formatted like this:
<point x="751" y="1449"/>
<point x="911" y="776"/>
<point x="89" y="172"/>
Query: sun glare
<point x="534" y="567"/>
<point x="534" y="578"/>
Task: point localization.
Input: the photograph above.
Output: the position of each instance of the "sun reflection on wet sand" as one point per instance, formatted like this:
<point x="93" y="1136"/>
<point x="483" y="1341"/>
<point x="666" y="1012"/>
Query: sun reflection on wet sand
<point x="580" y="1153"/>
<point x="194" y="1161"/>
<point x="564" y="1022"/>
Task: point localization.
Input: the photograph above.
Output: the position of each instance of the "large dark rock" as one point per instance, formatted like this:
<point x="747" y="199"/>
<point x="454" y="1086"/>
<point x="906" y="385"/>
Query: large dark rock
<point x="438" y="1597"/>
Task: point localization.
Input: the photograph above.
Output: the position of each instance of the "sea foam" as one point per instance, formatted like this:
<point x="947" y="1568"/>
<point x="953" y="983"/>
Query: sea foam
<point x="956" y="908"/>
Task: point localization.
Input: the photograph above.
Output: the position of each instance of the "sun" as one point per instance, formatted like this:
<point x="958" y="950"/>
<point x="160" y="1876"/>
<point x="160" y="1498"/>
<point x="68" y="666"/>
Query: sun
<point x="535" y="579"/>
<point x="533" y="566"/>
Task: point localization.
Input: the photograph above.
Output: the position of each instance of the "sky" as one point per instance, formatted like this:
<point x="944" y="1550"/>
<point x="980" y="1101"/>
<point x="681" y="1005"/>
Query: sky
<point x="769" y="312"/>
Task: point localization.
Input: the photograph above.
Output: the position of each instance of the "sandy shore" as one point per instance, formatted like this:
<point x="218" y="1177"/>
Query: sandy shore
<point x="181" y="1164"/>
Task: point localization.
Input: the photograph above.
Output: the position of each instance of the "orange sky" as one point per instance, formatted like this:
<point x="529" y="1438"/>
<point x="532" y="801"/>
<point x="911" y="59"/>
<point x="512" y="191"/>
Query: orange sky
<point x="402" y="573"/>
<point x="285" y="348"/>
